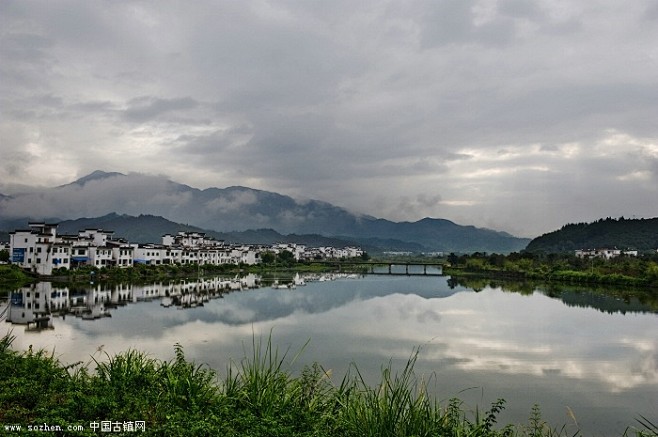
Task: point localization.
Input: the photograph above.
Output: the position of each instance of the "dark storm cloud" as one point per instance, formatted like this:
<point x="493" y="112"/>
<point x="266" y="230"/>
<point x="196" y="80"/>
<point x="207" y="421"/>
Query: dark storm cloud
<point x="506" y="108"/>
<point x="559" y="112"/>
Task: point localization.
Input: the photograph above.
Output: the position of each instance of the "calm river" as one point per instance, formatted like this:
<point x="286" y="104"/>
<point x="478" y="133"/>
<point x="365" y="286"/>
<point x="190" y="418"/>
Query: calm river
<point x="583" y="357"/>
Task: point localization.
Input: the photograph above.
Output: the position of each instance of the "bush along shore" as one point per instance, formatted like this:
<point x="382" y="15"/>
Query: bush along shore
<point x="624" y="270"/>
<point x="132" y="392"/>
<point x="12" y="276"/>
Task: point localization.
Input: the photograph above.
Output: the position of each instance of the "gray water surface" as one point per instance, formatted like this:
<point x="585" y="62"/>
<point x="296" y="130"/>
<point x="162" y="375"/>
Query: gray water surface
<point x="588" y="360"/>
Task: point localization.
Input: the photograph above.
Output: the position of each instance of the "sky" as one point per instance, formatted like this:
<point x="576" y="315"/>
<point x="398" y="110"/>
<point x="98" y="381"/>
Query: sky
<point x="515" y="115"/>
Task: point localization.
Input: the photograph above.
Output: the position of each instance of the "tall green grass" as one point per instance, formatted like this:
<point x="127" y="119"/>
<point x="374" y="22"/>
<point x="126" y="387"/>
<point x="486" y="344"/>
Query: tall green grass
<point x="398" y="405"/>
<point x="257" y="396"/>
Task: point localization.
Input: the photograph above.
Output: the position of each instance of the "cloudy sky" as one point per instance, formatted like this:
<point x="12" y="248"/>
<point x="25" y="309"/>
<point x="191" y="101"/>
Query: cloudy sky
<point x="516" y="115"/>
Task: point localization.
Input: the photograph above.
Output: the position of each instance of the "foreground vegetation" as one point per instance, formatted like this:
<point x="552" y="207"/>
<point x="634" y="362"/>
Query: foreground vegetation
<point x="256" y="397"/>
<point x="624" y="270"/>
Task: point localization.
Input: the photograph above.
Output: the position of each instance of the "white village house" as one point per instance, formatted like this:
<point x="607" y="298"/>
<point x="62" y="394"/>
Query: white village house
<point x="604" y="253"/>
<point x="41" y="250"/>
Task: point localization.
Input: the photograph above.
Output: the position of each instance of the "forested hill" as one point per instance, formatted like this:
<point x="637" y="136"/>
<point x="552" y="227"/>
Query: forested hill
<point x="639" y="234"/>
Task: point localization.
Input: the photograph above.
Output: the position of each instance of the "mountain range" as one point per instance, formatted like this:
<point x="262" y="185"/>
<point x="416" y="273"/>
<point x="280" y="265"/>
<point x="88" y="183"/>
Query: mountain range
<point x="621" y="233"/>
<point x="233" y="211"/>
<point x="150" y="229"/>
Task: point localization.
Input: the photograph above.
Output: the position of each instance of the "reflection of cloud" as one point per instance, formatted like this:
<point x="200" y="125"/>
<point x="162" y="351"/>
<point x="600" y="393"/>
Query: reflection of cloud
<point x="428" y="315"/>
<point x="505" y="350"/>
<point x="491" y="334"/>
<point x="477" y="342"/>
<point x="527" y="349"/>
<point x="408" y="311"/>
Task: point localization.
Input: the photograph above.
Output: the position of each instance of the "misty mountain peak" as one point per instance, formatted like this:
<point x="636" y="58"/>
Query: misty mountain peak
<point x="95" y="176"/>
<point x="239" y="209"/>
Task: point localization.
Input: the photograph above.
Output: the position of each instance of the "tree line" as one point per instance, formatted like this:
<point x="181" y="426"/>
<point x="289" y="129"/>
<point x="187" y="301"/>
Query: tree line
<point x="623" y="270"/>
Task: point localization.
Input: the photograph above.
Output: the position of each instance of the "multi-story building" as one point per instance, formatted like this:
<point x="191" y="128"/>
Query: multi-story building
<point x="40" y="250"/>
<point x="122" y="253"/>
<point x="31" y="248"/>
<point x="61" y="254"/>
<point x="101" y="256"/>
<point x="604" y="253"/>
<point x="190" y="239"/>
<point x="148" y="254"/>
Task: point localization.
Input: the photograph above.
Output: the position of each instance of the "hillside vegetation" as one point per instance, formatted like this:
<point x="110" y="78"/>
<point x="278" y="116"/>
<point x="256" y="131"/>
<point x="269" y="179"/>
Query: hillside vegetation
<point x="622" y="233"/>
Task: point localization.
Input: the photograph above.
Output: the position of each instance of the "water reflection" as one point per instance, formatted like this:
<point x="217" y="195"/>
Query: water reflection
<point x="596" y="355"/>
<point x="606" y="299"/>
<point x="36" y="305"/>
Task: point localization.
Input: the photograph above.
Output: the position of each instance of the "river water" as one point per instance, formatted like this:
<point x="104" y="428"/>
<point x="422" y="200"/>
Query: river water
<point x="588" y="360"/>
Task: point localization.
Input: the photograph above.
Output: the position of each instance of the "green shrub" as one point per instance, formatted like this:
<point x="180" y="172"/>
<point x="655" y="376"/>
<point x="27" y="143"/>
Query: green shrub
<point x="256" y="398"/>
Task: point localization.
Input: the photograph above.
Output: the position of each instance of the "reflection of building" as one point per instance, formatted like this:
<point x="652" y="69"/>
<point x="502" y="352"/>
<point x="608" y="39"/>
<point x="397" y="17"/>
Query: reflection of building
<point x="36" y="305"/>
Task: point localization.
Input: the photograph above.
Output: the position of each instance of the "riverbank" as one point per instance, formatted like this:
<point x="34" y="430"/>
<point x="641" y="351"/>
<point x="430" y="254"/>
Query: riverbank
<point x="623" y="271"/>
<point x="145" y="273"/>
<point x="626" y="271"/>
<point x="258" y="397"/>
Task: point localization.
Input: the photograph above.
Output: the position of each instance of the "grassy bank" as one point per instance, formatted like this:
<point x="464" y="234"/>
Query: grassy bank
<point x="256" y="397"/>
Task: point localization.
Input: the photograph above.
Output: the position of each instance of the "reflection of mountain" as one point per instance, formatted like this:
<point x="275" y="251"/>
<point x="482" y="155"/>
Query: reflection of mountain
<point x="252" y="306"/>
<point x="151" y="318"/>
<point x="319" y="298"/>
<point x="608" y="300"/>
<point x="606" y="304"/>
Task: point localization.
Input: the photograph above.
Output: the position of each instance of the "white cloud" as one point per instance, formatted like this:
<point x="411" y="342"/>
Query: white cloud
<point x="366" y="105"/>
